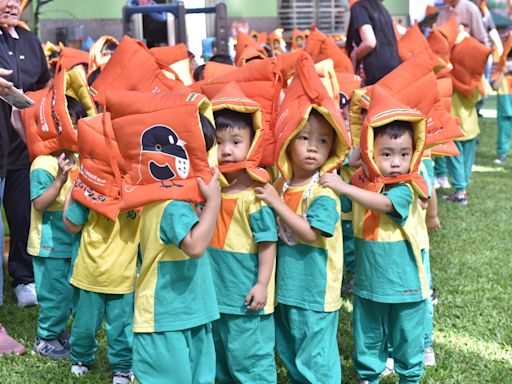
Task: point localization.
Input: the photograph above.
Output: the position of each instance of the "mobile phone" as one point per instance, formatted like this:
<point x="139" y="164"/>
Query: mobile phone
<point x="17" y="98"/>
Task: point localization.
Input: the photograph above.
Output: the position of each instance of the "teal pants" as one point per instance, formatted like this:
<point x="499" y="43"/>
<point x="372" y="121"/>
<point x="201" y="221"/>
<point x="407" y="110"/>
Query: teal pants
<point x="307" y="344"/>
<point x="175" y="357"/>
<point x="459" y="167"/>
<point x="377" y="325"/>
<point x="504" y="134"/>
<point x="349" y="256"/>
<point x="90" y="309"/>
<point x="53" y="294"/>
<point x="440" y="167"/>
<point x="244" y="347"/>
<point x="429" y="313"/>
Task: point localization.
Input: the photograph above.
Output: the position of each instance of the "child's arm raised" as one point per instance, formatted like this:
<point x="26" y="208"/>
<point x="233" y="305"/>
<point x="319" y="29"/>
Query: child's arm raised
<point x="257" y="296"/>
<point x="43" y="201"/>
<point x="372" y="200"/>
<point x="199" y="237"/>
<point x="70" y="226"/>
<point x="299" y="225"/>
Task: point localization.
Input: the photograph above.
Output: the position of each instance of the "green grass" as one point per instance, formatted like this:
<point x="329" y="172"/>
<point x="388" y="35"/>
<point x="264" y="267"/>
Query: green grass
<point x="471" y="272"/>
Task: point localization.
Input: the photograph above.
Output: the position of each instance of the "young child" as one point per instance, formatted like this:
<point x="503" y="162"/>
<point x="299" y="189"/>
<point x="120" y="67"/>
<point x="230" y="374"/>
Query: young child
<point x="242" y="255"/>
<point x="390" y="284"/>
<point x="103" y="271"/>
<point x="175" y="300"/>
<point x="51" y="246"/>
<point x="309" y="271"/>
<point x="503" y="84"/>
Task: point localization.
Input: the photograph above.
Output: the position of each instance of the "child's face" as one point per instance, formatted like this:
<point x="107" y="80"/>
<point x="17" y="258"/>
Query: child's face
<point x="310" y="149"/>
<point x="393" y="156"/>
<point x="233" y="145"/>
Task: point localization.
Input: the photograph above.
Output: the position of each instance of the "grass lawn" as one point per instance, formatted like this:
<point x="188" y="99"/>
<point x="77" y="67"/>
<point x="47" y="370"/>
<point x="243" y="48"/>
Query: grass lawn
<point x="470" y="259"/>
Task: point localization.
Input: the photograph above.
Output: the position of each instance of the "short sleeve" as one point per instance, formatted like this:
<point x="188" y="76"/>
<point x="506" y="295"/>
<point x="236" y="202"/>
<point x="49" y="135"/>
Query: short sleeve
<point x="77" y="213"/>
<point x="401" y="198"/>
<point x="323" y="215"/>
<point x="358" y="17"/>
<point x="40" y="181"/>
<point x="346" y="204"/>
<point x="263" y="224"/>
<point x="177" y="221"/>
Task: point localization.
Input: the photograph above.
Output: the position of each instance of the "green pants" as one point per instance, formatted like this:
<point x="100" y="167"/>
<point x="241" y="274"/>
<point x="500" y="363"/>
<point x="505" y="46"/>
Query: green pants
<point x="377" y="325"/>
<point x="90" y="308"/>
<point x="244" y="347"/>
<point x="175" y="357"/>
<point x="307" y="343"/>
<point x="459" y="167"/>
<point x="504" y="134"/>
<point x="53" y="294"/>
<point x="440" y="167"/>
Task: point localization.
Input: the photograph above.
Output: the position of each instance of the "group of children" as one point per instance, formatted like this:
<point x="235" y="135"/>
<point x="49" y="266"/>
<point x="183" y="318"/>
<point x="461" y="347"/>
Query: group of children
<point x="203" y="293"/>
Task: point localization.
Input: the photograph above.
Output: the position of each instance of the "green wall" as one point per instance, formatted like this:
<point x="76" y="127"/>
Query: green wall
<point x="395" y="7"/>
<point x="83" y="9"/>
<point x="249" y="8"/>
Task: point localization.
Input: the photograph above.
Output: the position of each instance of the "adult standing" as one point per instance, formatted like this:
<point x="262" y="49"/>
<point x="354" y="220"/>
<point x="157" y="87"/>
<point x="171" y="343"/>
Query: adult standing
<point x="371" y="39"/>
<point x="20" y="51"/>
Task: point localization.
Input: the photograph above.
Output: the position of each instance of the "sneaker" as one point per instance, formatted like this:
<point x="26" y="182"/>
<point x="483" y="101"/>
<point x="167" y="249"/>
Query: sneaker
<point x="364" y="382"/>
<point x="460" y="198"/>
<point x="390" y="367"/>
<point x="8" y="345"/>
<point x="443" y="182"/>
<point x="51" y="349"/>
<point x="500" y="159"/>
<point x="63" y="339"/>
<point x="26" y="295"/>
<point x="122" y="378"/>
<point x="78" y="369"/>
<point x="433" y="296"/>
<point x="436" y="183"/>
<point x="429" y="357"/>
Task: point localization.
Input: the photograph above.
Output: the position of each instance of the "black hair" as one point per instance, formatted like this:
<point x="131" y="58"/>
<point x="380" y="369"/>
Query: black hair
<point x="222" y="58"/>
<point x="93" y="76"/>
<point x="199" y="72"/>
<point x="208" y="131"/>
<point x="228" y="119"/>
<point x="109" y="46"/>
<point x="394" y="130"/>
<point x="76" y="109"/>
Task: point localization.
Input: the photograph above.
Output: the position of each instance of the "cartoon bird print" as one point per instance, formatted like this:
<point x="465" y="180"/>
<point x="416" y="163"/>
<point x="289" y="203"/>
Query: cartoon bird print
<point x="165" y="155"/>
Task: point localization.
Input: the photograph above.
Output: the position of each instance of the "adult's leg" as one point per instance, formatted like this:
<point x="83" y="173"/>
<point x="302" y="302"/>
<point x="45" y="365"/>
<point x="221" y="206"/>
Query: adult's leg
<point x="17" y="209"/>
<point x="2" y="242"/>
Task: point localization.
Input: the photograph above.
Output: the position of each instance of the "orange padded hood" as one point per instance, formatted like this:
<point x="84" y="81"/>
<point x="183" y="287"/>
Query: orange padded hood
<point x="414" y="42"/>
<point x="442" y="39"/>
<point x="69" y="57"/>
<point x="259" y="37"/>
<point x="96" y="58"/>
<point x="287" y="62"/>
<point x="212" y="69"/>
<point x="161" y="141"/>
<point x="98" y="186"/>
<point x="231" y="97"/>
<point x="469" y="59"/>
<point x="384" y="109"/>
<point x="276" y="42"/>
<point x="48" y="126"/>
<point x="295" y="36"/>
<point x="246" y="48"/>
<point x="414" y="84"/>
<point x="322" y="47"/>
<point x="348" y="84"/>
<point x="174" y="61"/>
<point x="306" y="92"/>
<point x="260" y="81"/>
<point x="503" y="58"/>
<point x="133" y="68"/>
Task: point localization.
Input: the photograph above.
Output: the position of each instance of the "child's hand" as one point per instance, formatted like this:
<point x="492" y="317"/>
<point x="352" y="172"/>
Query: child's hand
<point x="355" y="160"/>
<point x="423" y="203"/>
<point x="212" y="190"/>
<point x="268" y="194"/>
<point x="433" y="223"/>
<point x="66" y="163"/>
<point x="333" y="181"/>
<point x="257" y="297"/>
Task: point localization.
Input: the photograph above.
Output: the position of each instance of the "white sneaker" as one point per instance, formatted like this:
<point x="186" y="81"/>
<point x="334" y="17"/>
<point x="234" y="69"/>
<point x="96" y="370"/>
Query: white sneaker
<point x="429" y="357"/>
<point x="79" y="369"/>
<point x="390" y="367"/>
<point x="443" y="182"/>
<point x="26" y="295"/>
<point x="122" y="378"/>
